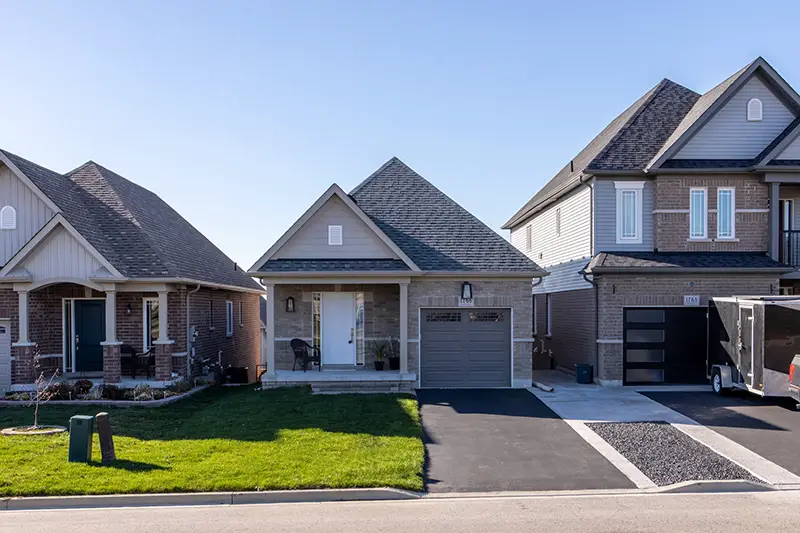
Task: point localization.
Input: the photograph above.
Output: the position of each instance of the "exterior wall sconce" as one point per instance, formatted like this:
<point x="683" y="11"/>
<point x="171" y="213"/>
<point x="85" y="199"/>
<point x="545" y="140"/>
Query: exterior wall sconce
<point x="290" y="304"/>
<point x="466" y="291"/>
<point x="129" y="309"/>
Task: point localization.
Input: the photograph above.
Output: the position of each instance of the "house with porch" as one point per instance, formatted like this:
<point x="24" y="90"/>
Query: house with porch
<point x="101" y="279"/>
<point x="396" y="262"/>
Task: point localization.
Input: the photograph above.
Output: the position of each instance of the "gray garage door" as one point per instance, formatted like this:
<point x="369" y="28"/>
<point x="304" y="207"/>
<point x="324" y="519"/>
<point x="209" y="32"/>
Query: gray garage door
<point x="466" y="348"/>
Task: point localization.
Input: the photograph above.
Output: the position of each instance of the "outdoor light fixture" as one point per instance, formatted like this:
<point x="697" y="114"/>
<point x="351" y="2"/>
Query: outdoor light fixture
<point x="290" y="304"/>
<point x="466" y="290"/>
<point x="129" y="309"/>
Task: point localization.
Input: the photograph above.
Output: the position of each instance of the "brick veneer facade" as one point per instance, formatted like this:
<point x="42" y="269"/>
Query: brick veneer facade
<point x="618" y="291"/>
<point x="672" y="229"/>
<point x="573" y="336"/>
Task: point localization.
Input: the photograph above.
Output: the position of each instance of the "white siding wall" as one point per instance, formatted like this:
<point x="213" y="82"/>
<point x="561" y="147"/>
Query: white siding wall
<point x="574" y="243"/>
<point x="32" y="213"/>
<point x="792" y="151"/>
<point x="605" y="218"/>
<point x="60" y="256"/>
<point x="358" y="240"/>
<point x="728" y="135"/>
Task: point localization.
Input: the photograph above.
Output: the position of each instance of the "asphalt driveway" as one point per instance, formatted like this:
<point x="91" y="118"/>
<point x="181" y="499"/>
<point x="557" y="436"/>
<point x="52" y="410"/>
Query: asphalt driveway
<point x="768" y="427"/>
<point x="490" y="440"/>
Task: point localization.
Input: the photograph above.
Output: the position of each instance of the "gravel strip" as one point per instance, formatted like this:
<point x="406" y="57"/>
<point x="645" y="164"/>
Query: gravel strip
<point x="667" y="455"/>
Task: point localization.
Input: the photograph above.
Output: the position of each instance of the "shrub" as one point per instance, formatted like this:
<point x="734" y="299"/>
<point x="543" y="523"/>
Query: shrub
<point x="112" y="392"/>
<point x="60" y="391"/>
<point x="82" y="386"/>
<point x="142" y="392"/>
<point x="181" y="386"/>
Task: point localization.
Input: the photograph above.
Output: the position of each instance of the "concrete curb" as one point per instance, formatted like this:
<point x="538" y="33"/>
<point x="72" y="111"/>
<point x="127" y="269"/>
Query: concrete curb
<point x="113" y="403"/>
<point x="204" y="498"/>
<point x="718" y="486"/>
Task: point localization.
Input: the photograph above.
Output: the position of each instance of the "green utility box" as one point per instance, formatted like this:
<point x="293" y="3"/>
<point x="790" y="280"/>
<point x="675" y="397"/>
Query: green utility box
<point x="583" y="373"/>
<point x="81" y="430"/>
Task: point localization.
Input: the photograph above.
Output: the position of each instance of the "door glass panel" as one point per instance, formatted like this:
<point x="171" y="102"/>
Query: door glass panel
<point x="316" y="298"/>
<point x="646" y="316"/>
<point x="646" y="375"/>
<point x="486" y="316"/>
<point x="68" y="335"/>
<point x="645" y="335"/>
<point x="644" y="356"/>
<point x="360" y="346"/>
<point x="443" y="316"/>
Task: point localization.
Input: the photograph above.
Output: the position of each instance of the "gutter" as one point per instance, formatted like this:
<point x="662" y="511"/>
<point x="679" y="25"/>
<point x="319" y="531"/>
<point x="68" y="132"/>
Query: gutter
<point x="189" y="339"/>
<point x="396" y="274"/>
<point x="682" y="270"/>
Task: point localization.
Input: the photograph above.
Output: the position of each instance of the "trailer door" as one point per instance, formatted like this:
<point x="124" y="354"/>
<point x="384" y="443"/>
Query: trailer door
<point x="746" y="336"/>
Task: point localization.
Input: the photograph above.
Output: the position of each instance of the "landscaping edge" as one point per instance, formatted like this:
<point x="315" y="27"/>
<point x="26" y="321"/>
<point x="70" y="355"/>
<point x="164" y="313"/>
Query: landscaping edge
<point x="112" y="403"/>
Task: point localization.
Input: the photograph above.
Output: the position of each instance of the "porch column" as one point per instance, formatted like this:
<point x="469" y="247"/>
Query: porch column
<point x="112" y="365"/>
<point x="270" y="329"/>
<point x="404" y="328"/>
<point x="24" y="363"/>
<point x="774" y="220"/>
<point x="163" y="346"/>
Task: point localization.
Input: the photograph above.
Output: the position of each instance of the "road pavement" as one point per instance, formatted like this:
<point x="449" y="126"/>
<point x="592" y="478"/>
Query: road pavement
<point x="653" y="513"/>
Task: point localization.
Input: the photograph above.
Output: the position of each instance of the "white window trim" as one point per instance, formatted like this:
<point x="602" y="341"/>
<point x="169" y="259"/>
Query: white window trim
<point x="548" y="301"/>
<point x="705" y="214"/>
<point x="732" y="236"/>
<point x="145" y="331"/>
<point x="331" y="230"/>
<point x="241" y="314"/>
<point x="637" y="187"/>
<point x="3" y="211"/>
<point x="529" y="238"/>
<point x="558" y="222"/>
<point x="751" y="115"/>
<point x="228" y="318"/>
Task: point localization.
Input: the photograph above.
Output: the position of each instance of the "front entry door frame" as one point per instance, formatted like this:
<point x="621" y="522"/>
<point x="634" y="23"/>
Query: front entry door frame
<point x="337" y="328"/>
<point x="69" y="333"/>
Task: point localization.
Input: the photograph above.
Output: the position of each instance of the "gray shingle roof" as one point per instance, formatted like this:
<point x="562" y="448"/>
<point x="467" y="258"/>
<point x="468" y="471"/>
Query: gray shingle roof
<point x="136" y="231"/>
<point x="433" y="230"/>
<point x="627" y="143"/>
<point x="333" y="265"/>
<point x="606" y="261"/>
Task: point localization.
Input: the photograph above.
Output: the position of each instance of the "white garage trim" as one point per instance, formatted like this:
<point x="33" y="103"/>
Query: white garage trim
<point x="419" y="338"/>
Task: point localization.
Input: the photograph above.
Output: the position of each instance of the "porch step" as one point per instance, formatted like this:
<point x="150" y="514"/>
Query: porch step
<point x="362" y="387"/>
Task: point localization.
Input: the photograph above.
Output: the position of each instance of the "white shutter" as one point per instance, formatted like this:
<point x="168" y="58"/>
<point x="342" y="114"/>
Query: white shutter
<point x="335" y="235"/>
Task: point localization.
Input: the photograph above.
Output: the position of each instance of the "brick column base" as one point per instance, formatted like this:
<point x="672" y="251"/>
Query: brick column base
<point x="112" y="366"/>
<point x="24" y="365"/>
<point x="163" y="361"/>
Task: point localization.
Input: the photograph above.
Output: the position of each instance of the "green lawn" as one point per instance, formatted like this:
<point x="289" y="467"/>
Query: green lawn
<point x="226" y="439"/>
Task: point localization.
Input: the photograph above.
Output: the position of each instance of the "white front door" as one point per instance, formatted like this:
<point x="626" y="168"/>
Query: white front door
<point x="338" y="322"/>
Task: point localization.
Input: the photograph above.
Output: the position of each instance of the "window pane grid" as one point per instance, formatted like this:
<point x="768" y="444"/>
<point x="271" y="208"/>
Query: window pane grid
<point x="725" y="213"/>
<point x="697" y="209"/>
<point x="629" y="214"/>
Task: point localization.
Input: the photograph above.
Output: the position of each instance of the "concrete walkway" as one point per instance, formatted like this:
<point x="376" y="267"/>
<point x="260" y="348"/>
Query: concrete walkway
<point x="579" y="404"/>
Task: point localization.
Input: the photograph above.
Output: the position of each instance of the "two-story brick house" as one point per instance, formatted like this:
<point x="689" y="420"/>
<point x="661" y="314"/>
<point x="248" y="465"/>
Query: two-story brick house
<point x="682" y="197"/>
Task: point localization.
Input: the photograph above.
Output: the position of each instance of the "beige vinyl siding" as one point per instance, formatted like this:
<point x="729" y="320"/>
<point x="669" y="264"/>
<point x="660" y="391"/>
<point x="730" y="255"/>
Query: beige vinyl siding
<point x="792" y="151"/>
<point x="32" y="213"/>
<point x="60" y="256"/>
<point x="605" y="218"/>
<point x="358" y="240"/>
<point x="729" y="135"/>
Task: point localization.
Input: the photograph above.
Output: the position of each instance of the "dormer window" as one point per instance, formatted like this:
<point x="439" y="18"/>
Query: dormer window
<point x="755" y="110"/>
<point x="334" y="235"/>
<point x="8" y="218"/>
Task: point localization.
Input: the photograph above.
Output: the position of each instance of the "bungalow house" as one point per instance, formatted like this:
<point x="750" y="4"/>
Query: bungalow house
<point x="95" y="268"/>
<point x="397" y="262"/>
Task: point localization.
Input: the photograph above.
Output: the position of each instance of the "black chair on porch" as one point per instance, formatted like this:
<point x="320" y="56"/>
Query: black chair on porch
<point x="132" y="362"/>
<point x="305" y="353"/>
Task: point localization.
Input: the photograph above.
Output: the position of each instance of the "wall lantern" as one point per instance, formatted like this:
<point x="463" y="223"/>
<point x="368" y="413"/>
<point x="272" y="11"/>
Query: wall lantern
<point x="129" y="309"/>
<point x="466" y="290"/>
<point x="290" y="304"/>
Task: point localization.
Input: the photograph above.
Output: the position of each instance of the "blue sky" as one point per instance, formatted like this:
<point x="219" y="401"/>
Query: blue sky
<point x="240" y="114"/>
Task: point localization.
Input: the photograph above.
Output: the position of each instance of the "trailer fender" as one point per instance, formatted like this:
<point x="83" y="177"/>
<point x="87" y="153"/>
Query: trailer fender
<point x="725" y="374"/>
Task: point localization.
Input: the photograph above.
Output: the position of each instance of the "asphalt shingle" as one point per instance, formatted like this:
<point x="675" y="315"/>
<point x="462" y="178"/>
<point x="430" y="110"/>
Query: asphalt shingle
<point x="696" y="260"/>
<point x="333" y="265"/>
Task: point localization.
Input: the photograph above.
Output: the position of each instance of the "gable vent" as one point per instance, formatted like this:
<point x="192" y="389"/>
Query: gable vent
<point x="754" y="110"/>
<point x="8" y="218"/>
<point x="335" y="235"/>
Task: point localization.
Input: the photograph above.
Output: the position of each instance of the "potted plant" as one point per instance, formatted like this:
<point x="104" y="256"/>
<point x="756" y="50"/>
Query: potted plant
<point x="394" y="358"/>
<point x="379" y="350"/>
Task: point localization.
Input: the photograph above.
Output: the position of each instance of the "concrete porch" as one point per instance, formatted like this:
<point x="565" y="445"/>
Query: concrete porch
<point x="331" y="381"/>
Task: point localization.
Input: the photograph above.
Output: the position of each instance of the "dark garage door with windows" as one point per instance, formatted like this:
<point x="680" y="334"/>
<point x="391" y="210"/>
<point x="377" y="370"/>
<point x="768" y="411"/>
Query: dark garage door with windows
<point x="465" y="348"/>
<point x="664" y="345"/>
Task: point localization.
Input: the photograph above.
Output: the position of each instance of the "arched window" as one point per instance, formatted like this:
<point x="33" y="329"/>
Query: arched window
<point x="754" y="110"/>
<point x="8" y="218"/>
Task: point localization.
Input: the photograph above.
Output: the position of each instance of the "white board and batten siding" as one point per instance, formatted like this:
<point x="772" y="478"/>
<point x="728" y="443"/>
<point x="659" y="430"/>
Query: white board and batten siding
<point x="605" y="218"/>
<point x="32" y="213"/>
<point x="558" y="254"/>
<point x="358" y="239"/>
<point x="60" y="256"/>
<point x="729" y="135"/>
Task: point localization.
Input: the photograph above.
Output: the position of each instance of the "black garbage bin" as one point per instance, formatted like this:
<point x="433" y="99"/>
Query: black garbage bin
<point x="583" y="374"/>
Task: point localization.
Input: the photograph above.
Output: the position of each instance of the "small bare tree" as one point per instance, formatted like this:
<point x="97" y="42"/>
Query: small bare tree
<point x="43" y="392"/>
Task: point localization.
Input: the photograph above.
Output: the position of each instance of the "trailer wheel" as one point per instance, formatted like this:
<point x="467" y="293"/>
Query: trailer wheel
<point x="716" y="383"/>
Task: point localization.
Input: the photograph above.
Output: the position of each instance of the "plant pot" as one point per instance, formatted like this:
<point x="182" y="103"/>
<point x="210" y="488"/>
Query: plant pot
<point x="379" y="365"/>
<point x="394" y="363"/>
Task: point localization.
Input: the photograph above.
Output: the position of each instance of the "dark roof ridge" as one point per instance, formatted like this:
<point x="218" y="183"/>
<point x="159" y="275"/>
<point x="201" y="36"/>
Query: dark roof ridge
<point x="393" y="159"/>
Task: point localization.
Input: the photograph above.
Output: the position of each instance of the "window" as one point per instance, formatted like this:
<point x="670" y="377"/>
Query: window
<point x="334" y="235"/>
<point x="535" y="317"/>
<point x="549" y="316"/>
<point x="150" y="323"/>
<point x="528" y="238"/>
<point x="8" y="218"/>
<point x="228" y="318"/>
<point x="241" y="314"/>
<point x="558" y="222"/>
<point x="726" y="213"/>
<point x="754" y="110"/>
<point x="698" y="213"/>
<point x="629" y="211"/>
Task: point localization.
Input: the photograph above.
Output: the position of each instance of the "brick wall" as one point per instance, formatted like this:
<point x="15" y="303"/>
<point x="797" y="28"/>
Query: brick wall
<point x="672" y="229"/>
<point x="618" y="291"/>
<point x="573" y="328"/>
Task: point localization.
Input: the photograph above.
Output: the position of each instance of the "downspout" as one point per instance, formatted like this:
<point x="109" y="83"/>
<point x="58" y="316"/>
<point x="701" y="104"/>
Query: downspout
<point x="189" y="339"/>
<point x="596" y="318"/>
